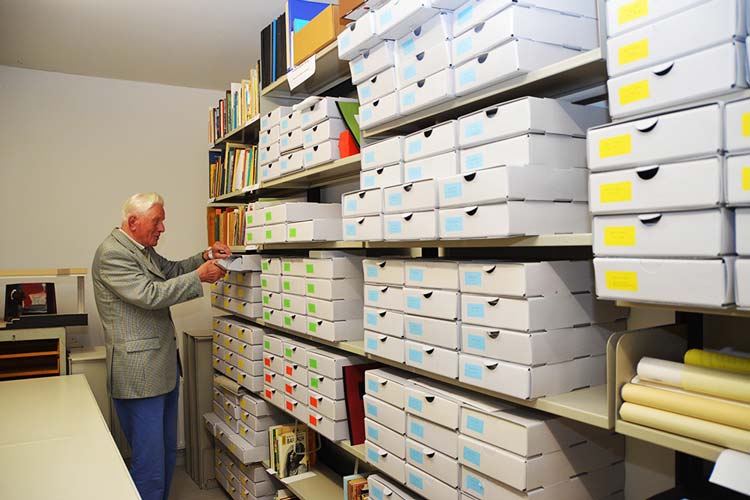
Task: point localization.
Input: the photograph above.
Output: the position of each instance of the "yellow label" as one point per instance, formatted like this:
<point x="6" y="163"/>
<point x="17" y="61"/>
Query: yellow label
<point x="632" y="11"/>
<point x="240" y="292"/>
<point x="615" y="146"/>
<point x="243" y="404"/>
<point x="634" y="92"/>
<point x="227" y="328"/>
<point x="226" y="343"/>
<point x="241" y="277"/>
<point x="240" y="378"/>
<point x="619" y="236"/>
<point x="241" y="363"/>
<point x="616" y="192"/>
<point x="633" y="52"/>
<point x="227" y="370"/>
<point x="746" y="124"/>
<point x="626" y="281"/>
<point x="746" y="178"/>
<point x="232" y="448"/>
<point x="226" y="302"/>
<point x="228" y="419"/>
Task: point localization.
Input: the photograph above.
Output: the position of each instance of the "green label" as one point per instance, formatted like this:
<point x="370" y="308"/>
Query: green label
<point x="288" y="350"/>
<point x="287" y="303"/>
<point x="249" y="219"/>
<point x="311" y="308"/>
<point x="292" y="232"/>
<point x="313" y="328"/>
<point x="287" y="267"/>
<point x="314" y="382"/>
<point x="264" y="283"/>
<point x="268" y="216"/>
<point x="265" y="266"/>
<point x="249" y="236"/>
<point x="269" y="234"/>
<point x="310" y="288"/>
<point x="288" y="322"/>
<point x="266" y="343"/>
<point x="313" y="361"/>
<point x="310" y="268"/>
<point x="267" y="316"/>
<point x="287" y="285"/>
<point x="265" y="299"/>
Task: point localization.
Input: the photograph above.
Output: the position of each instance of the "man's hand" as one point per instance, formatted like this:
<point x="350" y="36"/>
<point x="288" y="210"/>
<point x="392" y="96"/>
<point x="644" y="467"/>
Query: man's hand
<point x="209" y="272"/>
<point x="218" y="250"/>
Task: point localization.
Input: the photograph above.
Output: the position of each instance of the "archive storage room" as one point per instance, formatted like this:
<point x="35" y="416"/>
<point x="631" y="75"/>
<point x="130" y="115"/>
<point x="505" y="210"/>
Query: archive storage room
<point x="416" y="249"/>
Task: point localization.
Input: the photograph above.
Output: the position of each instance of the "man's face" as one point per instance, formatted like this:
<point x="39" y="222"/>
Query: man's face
<point x="147" y="227"/>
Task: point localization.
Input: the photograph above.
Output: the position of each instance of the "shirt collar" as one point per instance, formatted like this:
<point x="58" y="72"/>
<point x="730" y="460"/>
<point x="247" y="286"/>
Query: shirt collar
<point x="140" y="247"/>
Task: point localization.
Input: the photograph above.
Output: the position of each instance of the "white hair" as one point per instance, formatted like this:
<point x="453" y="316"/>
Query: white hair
<point x="140" y="203"/>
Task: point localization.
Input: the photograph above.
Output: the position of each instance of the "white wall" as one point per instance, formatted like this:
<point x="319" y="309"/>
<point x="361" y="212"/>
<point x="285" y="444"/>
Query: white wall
<point x="73" y="148"/>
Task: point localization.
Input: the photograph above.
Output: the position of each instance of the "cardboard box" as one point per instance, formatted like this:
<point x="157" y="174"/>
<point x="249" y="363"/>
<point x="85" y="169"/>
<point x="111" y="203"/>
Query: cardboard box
<point x="738" y="180"/>
<point x="335" y="267"/>
<point x="379" y="111"/>
<point x="516" y="21"/>
<point x="296" y="351"/>
<point x="531" y="149"/>
<point x="273" y="317"/>
<point x="334" y="310"/>
<point x="431" y="141"/>
<point x="273" y="379"/>
<point x="410" y="226"/>
<point x="295" y="322"/>
<point x="274" y="344"/>
<point x="432" y="331"/>
<point x="295" y="372"/>
<point x="382" y="177"/>
<point x="290" y="121"/>
<point x="246" y="309"/>
<point x="240" y="448"/>
<point x="319" y="154"/>
<point x="253" y="235"/>
<point x="357" y="37"/>
<point x="388" y="463"/>
<point x="295" y="392"/>
<point x="332" y="429"/>
<point x="322" y="110"/>
<point x="294" y="303"/>
<point x="710" y="72"/>
<point x="273" y="117"/>
<point x="432" y="359"/>
<point x="660" y="139"/>
<point x="433" y="463"/>
<point x="323" y="132"/>
<point x="513" y="218"/>
<point x="384" y="321"/>
<point x="245" y="333"/>
<point x="244" y="279"/>
<point x="273" y="362"/>
<point x="507" y="61"/>
<point x="396" y="18"/>
<point x="290" y="141"/>
<point x="431" y="167"/>
<point x="338" y="289"/>
<point x="329" y="363"/>
<point x="335" y="331"/>
<point x="268" y="154"/>
<point x="384" y="346"/>
<point x="431" y="274"/>
<point x="427" y="92"/>
<point x="435" y="436"/>
<point x="385" y="438"/>
<point x="368" y="228"/>
<point x="427" y="485"/>
<point x="364" y="202"/>
<point x="383" y="153"/>
<point x="563" y="310"/>
<point x="734" y="128"/>
<point x="252" y="368"/>
<point x="384" y="297"/>
<point x="226" y="417"/>
<point x="528" y="115"/>
<point x="387" y="384"/>
<point x="257" y="407"/>
<point x="296" y="409"/>
<point x="329" y="387"/>
<point x="626" y="15"/>
<point x="249" y="382"/>
<point x="333" y="409"/>
<point x="372" y="62"/>
<point x="255" y="438"/>
<point x="379" y="485"/>
<point x="384" y="272"/>
<point x="268" y="137"/>
<point x="273" y="395"/>
<point x="432" y="303"/>
<point x="431" y="33"/>
<point x="688" y="281"/>
<point x="317" y="34"/>
<point x="255" y="218"/>
<point x="536" y="348"/>
<point x="743" y="231"/>
<point x="388" y="415"/>
<point x="525" y="279"/>
<point x="419" y="65"/>
<point x="275" y="233"/>
<point x="260" y="424"/>
<point x="699" y="233"/>
<point x="541" y="471"/>
<point x="270" y="265"/>
<point x="435" y="402"/>
<point x="292" y="161"/>
<point x="742" y="282"/>
<point x="294" y="285"/>
<point x="378" y="86"/>
<point x="314" y="230"/>
<point x="292" y="266"/>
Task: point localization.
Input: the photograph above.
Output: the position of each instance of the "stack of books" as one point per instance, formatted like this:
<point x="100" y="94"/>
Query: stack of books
<point x="240" y="105"/>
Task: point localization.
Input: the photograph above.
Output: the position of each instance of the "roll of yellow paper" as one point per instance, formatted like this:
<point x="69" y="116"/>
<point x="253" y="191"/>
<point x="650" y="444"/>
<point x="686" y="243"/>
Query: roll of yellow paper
<point x="702" y="430"/>
<point x="718" y="361"/>
<point x="692" y="405"/>
<point x="696" y="379"/>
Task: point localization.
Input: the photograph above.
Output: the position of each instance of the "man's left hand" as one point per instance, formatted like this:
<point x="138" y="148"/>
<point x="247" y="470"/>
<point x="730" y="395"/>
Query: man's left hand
<point x="218" y="250"/>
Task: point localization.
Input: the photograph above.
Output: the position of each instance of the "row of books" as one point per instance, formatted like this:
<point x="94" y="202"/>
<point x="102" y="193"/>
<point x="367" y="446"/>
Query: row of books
<point x="293" y="449"/>
<point x="226" y="224"/>
<point x="232" y="169"/>
<point x="240" y="105"/>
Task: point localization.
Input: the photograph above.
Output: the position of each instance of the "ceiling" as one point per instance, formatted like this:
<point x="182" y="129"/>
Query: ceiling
<point x="190" y="43"/>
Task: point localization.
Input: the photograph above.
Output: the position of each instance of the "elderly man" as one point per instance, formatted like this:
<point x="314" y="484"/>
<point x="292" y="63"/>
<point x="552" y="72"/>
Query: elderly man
<point x="134" y="287"/>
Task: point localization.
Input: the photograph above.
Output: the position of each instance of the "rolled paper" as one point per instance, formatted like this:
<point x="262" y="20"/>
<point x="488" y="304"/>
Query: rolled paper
<point x="721" y="411"/>
<point x="718" y="361"/>
<point x="696" y="379"/>
<point x="695" y="428"/>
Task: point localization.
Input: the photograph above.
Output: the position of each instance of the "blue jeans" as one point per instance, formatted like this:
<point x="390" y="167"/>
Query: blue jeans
<point x="150" y="426"/>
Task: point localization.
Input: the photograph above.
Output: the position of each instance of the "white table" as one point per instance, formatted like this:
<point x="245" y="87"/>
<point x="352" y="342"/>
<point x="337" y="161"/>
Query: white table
<point x="54" y="443"/>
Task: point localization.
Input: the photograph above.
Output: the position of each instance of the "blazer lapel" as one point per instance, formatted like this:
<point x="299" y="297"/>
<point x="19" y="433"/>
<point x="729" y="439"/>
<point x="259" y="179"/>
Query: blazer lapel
<point x="142" y="255"/>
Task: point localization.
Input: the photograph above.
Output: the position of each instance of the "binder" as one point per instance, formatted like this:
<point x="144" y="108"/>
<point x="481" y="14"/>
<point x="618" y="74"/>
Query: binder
<point x="282" y="64"/>
<point x="266" y="56"/>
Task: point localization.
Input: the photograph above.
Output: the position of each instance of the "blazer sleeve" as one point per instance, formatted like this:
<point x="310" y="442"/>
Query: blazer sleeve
<point x="172" y="269"/>
<point x="122" y="274"/>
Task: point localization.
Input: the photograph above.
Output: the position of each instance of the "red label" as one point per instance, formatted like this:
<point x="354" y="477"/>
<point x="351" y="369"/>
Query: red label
<point x="313" y="420"/>
<point x="268" y="378"/>
<point x="267" y="361"/>
<point x="313" y="402"/>
<point x="289" y="389"/>
<point x="268" y="394"/>
<point x="289" y="370"/>
<point x="289" y="406"/>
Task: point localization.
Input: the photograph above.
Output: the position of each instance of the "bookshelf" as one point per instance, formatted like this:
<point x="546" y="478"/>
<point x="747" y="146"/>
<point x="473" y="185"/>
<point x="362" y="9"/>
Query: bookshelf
<point x="329" y="72"/>
<point x="246" y="134"/>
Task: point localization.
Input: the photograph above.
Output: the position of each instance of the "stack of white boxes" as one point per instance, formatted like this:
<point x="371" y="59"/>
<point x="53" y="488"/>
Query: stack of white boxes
<point x="655" y="242"/>
<point x="290" y="145"/>
<point x="326" y="392"/>
<point x="322" y="124"/>
<point x="291" y="284"/>
<point x="381" y="487"/>
<point x="293" y="221"/>
<point x="384" y="308"/>
<point x="238" y="352"/>
<point x="243" y="481"/>
<point x="737" y="133"/>
<point x="270" y="283"/>
<point x="269" y="137"/>
<point x="239" y="291"/>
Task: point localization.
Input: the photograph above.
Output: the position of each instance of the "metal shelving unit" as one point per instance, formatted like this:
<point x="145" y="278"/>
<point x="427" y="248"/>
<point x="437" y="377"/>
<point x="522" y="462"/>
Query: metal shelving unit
<point x="246" y="133"/>
<point x="329" y="72"/>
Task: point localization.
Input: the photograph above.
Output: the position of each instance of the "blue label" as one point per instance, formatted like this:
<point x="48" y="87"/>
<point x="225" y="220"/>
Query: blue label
<point x="284" y="164"/>
<point x="467" y="76"/>
<point x="474" y="129"/>
<point x="413" y="173"/>
<point x="265" y="173"/>
<point x="475" y="310"/>
<point x="372" y="295"/>
<point x="465" y="15"/>
<point x="264" y="140"/>
<point x="409" y="72"/>
<point x="351" y="205"/>
<point x="415" y="146"/>
<point x="285" y="141"/>
<point x="365" y="92"/>
<point x="452" y="190"/>
<point x="394" y="227"/>
<point x="263" y="156"/>
<point x="475" y="161"/>
<point x="369" y="181"/>
<point x="367" y="114"/>
<point x="475" y="424"/>
<point x="386" y="17"/>
<point x="416" y="429"/>
<point x="372" y="386"/>
<point x="306" y="118"/>
<point x="395" y="200"/>
<point x="372" y="272"/>
<point x="415" y="455"/>
<point x="372" y="432"/>
<point x="473" y="483"/>
<point x="477" y="342"/>
<point x="415" y="328"/>
<point x="372" y="319"/>
<point x="376" y="492"/>
<point x="414" y="302"/>
<point x="473" y="278"/>
<point x="454" y="224"/>
<point x="351" y="230"/>
<point x="284" y="123"/>
<point x="415" y="481"/>
<point x="369" y="156"/>
<point x="344" y="42"/>
<point x="358" y="67"/>
<point x="473" y="371"/>
<point x="372" y="456"/>
<point x="415" y="355"/>
<point x="372" y="345"/>
<point x="464" y="46"/>
<point x="372" y="410"/>
<point x="472" y="456"/>
<point x="408" y="99"/>
<point x="415" y="404"/>
<point x="308" y="156"/>
<point x="308" y="137"/>
<point x="264" y="123"/>
<point x="407" y="47"/>
<point x="416" y="274"/>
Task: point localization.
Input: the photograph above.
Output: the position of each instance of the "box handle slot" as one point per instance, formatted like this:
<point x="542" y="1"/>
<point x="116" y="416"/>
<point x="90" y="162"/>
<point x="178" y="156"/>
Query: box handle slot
<point x="407" y="187"/>
<point x="361" y="221"/>
<point x="375" y="103"/>
<point x="481" y="59"/>
<point x="647" y="173"/>
<point x="493" y="302"/>
<point x="408" y="216"/>
<point x="489" y="269"/>
<point x="383" y="339"/>
<point x="361" y="194"/>
<point x="665" y="69"/>
<point x="647" y="125"/>
<point x="382" y="314"/>
<point x="418" y="31"/>
<point x="381" y="264"/>
<point x="479" y="27"/>
<point x="471" y="211"/>
<point x="384" y="289"/>
<point x="428" y="350"/>
<point x="420" y="83"/>
<point x="491" y="366"/>
<point x="379" y="171"/>
<point x="428" y="453"/>
<point x="420" y="56"/>
<point x="470" y="177"/>
<point x="427" y="295"/>
<point x="320" y="323"/>
<point x="429" y="398"/>
<point x="493" y="334"/>
<point x="649" y="219"/>
<point x="374" y="79"/>
<point x="427" y="133"/>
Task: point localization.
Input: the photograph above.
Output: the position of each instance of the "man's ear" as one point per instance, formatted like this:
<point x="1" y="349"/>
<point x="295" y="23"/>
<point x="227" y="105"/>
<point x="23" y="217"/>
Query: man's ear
<point x="132" y="219"/>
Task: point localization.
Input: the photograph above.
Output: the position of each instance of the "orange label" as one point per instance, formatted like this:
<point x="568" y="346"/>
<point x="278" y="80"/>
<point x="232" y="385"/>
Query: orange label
<point x="313" y="420"/>
<point x="313" y="402"/>
<point x="289" y="370"/>
<point x="289" y="406"/>
<point x="268" y="378"/>
<point x="267" y="362"/>
<point x="268" y="394"/>
<point x="288" y="389"/>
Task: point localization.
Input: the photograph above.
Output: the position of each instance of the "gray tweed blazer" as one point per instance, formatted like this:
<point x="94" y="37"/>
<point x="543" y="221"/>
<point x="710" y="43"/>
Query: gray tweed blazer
<point x="134" y="289"/>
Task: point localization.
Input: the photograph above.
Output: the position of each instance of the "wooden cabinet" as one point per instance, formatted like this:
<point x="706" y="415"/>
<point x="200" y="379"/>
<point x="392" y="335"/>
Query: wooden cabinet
<point x="35" y="352"/>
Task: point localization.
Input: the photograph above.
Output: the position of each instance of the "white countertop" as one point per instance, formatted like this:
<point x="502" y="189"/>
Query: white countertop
<point x="54" y="443"/>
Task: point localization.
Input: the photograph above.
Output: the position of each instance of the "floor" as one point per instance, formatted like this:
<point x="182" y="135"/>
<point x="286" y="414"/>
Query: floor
<point x="183" y="488"/>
